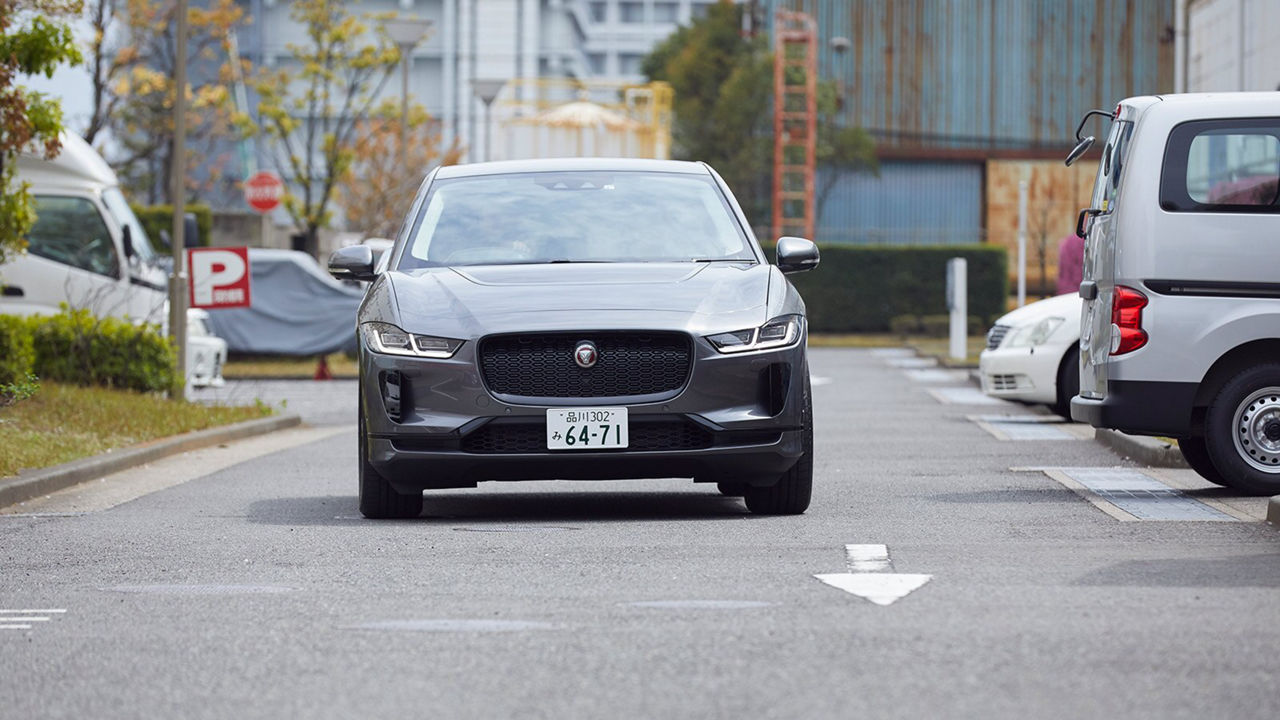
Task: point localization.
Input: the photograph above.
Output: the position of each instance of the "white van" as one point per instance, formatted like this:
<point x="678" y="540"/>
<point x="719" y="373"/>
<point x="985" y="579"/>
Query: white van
<point x="1180" y="328"/>
<point x="87" y="248"/>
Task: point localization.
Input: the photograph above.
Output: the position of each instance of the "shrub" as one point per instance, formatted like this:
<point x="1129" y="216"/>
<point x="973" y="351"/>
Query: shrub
<point x="155" y="218"/>
<point x="17" y="354"/>
<point x="904" y="324"/>
<point x="940" y="325"/>
<point x="75" y="347"/>
<point x="861" y="288"/>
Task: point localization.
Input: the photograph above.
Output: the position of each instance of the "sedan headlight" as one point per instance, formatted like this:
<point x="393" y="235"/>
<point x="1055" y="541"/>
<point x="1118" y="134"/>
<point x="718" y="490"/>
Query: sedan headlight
<point x="777" y="333"/>
<point x="391" y="340"/>
<point x="1034" y="335"/>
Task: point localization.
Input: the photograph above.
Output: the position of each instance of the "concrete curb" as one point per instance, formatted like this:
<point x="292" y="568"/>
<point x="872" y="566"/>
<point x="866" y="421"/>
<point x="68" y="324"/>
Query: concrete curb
<point x="1146" y="450"/>
<point x="37" y="483"/>
<point x="1273" y="511"/>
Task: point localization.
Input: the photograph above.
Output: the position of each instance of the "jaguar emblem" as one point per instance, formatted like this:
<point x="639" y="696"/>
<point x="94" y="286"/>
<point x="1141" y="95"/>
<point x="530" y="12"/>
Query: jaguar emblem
<point x="586" y="355"/>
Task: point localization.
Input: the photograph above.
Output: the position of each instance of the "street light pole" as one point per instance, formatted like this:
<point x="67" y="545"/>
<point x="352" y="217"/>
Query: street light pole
<point x="178" y="189"/>
<point x="406" y="33"/>
<point x="487" y="91"/>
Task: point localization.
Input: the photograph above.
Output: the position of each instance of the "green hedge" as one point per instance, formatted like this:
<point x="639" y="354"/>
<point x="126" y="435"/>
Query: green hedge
<point x="17" y="353"/>
<point x="75" y="347"/>
<point x="155" y="218"/>
<point x="860" y="288"/>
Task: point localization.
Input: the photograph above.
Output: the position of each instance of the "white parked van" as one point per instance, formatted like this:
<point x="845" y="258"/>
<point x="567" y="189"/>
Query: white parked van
<point x="87" y="248"/>
<point x="1180" y="328"/>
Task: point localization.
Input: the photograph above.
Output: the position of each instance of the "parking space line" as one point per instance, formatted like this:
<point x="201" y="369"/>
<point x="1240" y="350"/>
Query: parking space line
<point x="1132" y="495"/>
<point x="1016" y="429"/>
<point x="911" y="362"/>
<point x="936" y="375"/>
<point x="965" y="396"/>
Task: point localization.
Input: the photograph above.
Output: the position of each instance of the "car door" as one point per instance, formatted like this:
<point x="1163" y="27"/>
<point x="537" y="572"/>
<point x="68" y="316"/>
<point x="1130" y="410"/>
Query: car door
<point x="71" y="258"/>
<point x="1099" y="270"/>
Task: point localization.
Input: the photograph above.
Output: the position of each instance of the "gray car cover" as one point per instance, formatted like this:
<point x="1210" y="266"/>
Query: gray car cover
<point x="297" y="309"/>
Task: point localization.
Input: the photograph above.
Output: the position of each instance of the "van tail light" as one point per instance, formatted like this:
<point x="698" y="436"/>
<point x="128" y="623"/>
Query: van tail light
<point x="1127" y="334"/>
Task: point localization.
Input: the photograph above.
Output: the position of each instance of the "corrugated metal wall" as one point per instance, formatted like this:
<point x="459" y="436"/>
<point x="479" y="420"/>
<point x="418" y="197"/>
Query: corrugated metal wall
<point x="911" y="203"/>
<point x="988" y="74"/>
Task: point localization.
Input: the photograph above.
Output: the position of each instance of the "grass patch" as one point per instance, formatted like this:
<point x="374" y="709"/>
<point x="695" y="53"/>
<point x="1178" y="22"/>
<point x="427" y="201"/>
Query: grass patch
<point x="65" y="422"/>
<point x="287" y="366"/>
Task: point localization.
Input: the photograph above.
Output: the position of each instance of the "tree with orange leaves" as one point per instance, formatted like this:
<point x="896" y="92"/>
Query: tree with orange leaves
<point x="377" y="190"/>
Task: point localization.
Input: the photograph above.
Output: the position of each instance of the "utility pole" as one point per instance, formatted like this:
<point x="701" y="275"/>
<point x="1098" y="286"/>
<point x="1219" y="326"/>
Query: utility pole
<point x="178" y="279"/>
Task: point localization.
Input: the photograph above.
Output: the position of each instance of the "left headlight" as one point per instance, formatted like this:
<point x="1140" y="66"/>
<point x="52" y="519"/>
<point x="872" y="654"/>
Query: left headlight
<point x="776" y="333"/>
<point x="1037" y="334"/>
<point x="391" y="340"/>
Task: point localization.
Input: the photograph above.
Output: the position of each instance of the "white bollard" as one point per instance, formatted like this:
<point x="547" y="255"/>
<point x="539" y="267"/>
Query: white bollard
<point x="958" y="304"/>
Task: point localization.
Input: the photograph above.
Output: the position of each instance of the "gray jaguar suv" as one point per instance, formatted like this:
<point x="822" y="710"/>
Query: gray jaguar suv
<point x="581" y="319"/>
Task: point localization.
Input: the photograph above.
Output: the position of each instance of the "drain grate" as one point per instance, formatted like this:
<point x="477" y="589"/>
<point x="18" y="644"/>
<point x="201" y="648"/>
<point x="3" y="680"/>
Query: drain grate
<point x="965" y="396"/>
<point x="1016" y="430"/>
<point x="1142" y="496"/>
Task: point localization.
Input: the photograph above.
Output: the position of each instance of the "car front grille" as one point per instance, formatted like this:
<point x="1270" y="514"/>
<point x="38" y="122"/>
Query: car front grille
<point x="1003" y="382"/>
<point x="501" y="437"/>
<point x="996" y="336"/>
<point x="542" y="365"/>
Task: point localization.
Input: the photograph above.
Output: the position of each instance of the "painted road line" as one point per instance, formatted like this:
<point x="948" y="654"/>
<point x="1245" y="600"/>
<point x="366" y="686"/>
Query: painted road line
<point x="912" y="363"/>
<point x="21" y="619"/>
<point x="965" y="396"/>
<point x="37" y="612"/>
<point x="1130" y="495"/>
<point x="15" y="627"/>
<point x="893" y="352"/>
<point x="936" y="375"/>
<point x="871" y="576"/>
<point x="815" y="381"/>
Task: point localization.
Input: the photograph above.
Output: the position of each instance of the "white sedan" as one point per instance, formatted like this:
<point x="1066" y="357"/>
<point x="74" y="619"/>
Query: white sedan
<point x="1033" y="354"/>
<point x="206" y="352"/>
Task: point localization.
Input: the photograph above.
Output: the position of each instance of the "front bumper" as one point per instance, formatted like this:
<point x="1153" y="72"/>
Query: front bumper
<point x="1024" y="374"/>
<point x="732" y="421"/>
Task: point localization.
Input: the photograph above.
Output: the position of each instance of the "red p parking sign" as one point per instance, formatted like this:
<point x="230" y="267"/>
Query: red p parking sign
<point x="219" y="277"/>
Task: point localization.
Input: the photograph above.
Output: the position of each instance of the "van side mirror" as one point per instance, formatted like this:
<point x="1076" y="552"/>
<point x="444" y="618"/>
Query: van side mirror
<point x="352" y="263"/>
<point x="796" y="254"/>
<point x="190" y="231"/>
<point x="1081" y="148"/>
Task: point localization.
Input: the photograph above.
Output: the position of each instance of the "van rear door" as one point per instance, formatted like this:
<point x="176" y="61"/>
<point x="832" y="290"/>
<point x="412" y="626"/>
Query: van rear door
<point x="1099" y="270"/>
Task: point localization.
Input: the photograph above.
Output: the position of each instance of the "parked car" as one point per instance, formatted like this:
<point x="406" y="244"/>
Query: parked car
<point x="206" y="352"/>
<point x="1181" y="317"/>
<point x="1032" y="354"/>
<point x="581" y="319"/>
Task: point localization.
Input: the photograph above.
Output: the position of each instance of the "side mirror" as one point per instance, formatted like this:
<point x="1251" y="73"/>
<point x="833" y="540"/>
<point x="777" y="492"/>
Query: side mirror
<point x="1081" y="148"/>
<point x="190" y="231"/>
<point x="796" y="254"/>
<point x="352" y="263"/>
<point x="127" y="239"/>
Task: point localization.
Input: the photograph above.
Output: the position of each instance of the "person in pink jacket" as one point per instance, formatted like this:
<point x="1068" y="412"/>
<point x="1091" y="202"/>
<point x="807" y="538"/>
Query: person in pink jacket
<point x="1070" y="264"/>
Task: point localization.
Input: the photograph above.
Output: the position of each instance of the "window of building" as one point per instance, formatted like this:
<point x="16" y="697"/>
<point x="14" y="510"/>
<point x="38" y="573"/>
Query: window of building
<point x="629" y="64"/>
<point x="599" y="12"/>
<point x="1222" y="166"/>
<point x="631" y="12"/>
<point x="597" y="63"/>
<point x="70" y="230"/>
<point x="666" y="12"/>
<point x="699" y="9"/>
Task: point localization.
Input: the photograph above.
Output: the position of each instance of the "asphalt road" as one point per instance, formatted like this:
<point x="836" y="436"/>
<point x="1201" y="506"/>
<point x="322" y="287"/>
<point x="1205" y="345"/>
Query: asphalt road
<point x="257" y="591"/>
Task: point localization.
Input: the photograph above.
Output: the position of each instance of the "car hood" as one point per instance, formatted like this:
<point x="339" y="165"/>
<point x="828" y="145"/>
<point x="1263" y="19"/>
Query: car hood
<point x="1063" y="306"/>
<point x="477" y="300"/>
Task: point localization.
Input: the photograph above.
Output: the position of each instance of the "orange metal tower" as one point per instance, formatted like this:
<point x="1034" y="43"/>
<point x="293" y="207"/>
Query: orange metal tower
<point x="795" y="122"/>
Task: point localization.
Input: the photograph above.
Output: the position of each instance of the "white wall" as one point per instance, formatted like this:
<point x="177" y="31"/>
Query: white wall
<point x="1234" y="45"/>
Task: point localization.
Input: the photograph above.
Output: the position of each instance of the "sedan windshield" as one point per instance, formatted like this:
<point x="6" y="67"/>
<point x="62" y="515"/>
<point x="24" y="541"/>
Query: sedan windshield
<point x="591" y="216"/>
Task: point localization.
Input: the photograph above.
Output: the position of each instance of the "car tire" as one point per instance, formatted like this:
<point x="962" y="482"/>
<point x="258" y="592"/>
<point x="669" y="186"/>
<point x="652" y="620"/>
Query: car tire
<point x="378" y="500"/>
<point x="1242" y="430"/>
<point x="791" y="494"/>
<point x="1195" y="452"/>
<point x="1068" y="382"/>
<point x="731" y="489"/>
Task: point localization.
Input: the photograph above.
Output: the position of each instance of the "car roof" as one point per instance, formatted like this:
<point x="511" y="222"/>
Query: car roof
<point x="504" y="167"/>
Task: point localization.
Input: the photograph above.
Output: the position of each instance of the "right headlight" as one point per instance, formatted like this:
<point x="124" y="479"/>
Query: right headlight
<point x="776" y="333"/>
<point x="390" y="340"/>
<point x="1034" y="335"/>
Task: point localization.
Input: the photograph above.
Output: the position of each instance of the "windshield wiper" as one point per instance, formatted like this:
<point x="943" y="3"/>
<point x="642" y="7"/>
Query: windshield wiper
<point x="711" y="260"/>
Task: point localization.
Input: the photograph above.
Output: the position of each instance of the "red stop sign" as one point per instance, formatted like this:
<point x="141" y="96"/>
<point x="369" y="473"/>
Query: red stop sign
<point x="263" y="191"/>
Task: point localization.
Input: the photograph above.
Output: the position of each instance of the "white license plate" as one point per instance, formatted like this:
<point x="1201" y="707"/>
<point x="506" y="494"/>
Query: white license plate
<point x="598" y="428"/>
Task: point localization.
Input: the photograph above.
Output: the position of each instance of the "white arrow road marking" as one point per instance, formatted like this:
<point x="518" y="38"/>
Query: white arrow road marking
<point x="871" y="576"/>
<point x="21" y="619"/>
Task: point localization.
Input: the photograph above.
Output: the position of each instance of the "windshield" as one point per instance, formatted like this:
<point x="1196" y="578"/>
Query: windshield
<point x="590" y="216"/>
<point x="119" y="209"/>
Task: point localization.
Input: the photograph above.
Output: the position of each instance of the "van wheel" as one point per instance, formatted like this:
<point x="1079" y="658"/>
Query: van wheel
<point x="1197" y="456"/>
<point x="1068" y="382"/>
<point x="790" y="495"/>
<point x="378" y="500"/>
<point x="1242" y="430"/>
